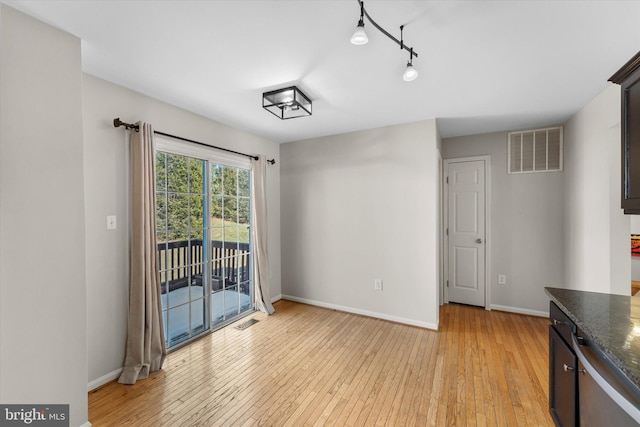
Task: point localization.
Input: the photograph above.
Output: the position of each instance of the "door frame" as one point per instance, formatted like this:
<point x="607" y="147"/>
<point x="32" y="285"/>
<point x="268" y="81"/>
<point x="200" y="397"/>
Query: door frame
<point x="487" y="226"/>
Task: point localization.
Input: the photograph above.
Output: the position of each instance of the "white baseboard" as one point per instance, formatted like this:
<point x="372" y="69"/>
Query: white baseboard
<point x="104" y="379"/>
<point x="363" y="312"/>
<point x="87" y="424"/>
<point x="276" y="298"/>
<point x="518" y="310"/>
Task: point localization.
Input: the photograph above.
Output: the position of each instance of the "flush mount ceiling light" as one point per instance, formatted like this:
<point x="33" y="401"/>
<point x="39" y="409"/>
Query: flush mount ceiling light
<point x="359" y="37"/>
<point x="287" y="103"/>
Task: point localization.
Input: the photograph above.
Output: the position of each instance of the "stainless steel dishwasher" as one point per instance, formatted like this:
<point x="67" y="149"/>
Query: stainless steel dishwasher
<point x="607" y="398"/>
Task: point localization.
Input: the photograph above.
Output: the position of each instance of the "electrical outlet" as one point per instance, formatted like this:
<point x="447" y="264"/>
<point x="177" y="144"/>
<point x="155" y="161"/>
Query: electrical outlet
<point x="502" y="279"/>
<point x="111" y="222"/>
<point x="377" y="284"/>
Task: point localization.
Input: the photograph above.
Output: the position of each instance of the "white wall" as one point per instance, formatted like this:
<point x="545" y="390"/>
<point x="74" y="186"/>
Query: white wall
<point x="526" y="225"/>
<point x="596" y="233"/>
<point x="43" y="349"/>
<point x="106" y="166"/>
<point x="361" y="206"/>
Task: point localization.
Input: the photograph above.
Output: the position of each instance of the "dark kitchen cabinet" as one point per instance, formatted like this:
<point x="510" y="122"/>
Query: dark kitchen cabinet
<point x="563" y="381"/>
<point x="563" y="365"/>
<point x="628" y="77"/>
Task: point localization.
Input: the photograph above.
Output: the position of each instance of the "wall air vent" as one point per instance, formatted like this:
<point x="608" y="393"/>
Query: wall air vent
<point x="538" y="150"/>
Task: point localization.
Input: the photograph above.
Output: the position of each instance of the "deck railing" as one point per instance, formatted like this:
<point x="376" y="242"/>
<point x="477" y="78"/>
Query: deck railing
<point x="182" y="262"/>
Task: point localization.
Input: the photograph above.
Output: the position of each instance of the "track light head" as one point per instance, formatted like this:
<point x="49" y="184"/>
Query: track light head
<point x="410" y="73"/>
<point x="359" y="37"/>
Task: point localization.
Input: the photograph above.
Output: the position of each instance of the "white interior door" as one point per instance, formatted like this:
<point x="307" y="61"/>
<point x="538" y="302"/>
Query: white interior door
<point x="466" y="228"/>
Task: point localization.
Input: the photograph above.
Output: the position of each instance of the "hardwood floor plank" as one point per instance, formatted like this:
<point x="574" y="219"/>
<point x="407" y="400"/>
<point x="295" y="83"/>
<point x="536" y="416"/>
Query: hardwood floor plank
<point x="484" y="388"/>
<point x="390" y="405"/>
<point x="357" y="385"/>
<point x="424" y="381"/>
<point x="379" y="387"/>
<point x="309" y="366"/>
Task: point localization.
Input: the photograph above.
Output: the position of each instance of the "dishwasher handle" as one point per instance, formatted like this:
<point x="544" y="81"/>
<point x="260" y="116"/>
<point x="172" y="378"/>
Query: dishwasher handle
<point x="614" y="394"/>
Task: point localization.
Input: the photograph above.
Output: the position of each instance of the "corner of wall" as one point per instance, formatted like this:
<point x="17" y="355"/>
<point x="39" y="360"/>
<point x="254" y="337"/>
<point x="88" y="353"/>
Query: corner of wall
<point x="596" y="234"/>
<point x="42" y="207"/>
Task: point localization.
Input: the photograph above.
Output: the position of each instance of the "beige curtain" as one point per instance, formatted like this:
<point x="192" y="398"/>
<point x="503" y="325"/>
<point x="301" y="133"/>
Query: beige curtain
<point x="145" y="350"/>
<point x="259" y="235"/>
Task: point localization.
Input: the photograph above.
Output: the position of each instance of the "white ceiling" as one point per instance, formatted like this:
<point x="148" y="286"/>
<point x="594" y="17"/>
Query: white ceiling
<point x="484" y="65"/>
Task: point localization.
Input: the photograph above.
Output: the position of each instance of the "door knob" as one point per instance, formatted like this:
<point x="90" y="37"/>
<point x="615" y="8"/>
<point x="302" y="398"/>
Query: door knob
<point x="478" y="240"/>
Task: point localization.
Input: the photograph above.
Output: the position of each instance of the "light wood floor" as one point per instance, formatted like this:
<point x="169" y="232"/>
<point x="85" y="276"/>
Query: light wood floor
<point x="306" y="366"/>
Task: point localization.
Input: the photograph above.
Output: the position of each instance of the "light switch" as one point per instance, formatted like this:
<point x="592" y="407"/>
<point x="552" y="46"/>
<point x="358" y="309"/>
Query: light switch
<point x="111" y="222"/>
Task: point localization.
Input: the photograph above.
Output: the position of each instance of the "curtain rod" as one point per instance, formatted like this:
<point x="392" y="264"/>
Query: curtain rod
<point x="117" y="123"/>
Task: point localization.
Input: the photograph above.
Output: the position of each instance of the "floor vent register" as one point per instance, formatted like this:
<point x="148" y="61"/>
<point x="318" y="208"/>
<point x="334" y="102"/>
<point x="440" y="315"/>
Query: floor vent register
<point x="245" y="325"/>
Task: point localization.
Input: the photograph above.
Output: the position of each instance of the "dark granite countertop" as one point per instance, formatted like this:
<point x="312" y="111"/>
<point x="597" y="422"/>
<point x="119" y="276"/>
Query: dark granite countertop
<point x="611" y="321"/>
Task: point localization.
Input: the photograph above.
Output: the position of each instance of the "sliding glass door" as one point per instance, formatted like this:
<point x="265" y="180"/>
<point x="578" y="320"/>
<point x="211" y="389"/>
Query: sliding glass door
<point x="203" y="229"/>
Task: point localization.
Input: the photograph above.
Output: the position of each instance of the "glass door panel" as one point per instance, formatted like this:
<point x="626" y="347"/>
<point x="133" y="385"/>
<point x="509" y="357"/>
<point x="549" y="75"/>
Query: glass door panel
<point x="181" y="191"/>
<point x="232" y="293"/>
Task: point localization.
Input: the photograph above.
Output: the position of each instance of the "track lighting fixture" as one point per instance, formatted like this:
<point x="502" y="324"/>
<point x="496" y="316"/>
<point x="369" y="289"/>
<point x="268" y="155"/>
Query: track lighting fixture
<point x="359" y="37"/>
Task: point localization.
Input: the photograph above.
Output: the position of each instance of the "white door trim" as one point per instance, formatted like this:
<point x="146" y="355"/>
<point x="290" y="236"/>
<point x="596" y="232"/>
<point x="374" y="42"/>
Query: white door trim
<point x="441" y="236"/>
<point x="488" y="239"/>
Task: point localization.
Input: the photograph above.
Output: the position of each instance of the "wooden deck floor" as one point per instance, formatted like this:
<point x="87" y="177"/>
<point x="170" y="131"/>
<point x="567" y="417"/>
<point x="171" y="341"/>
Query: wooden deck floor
<point x="308" y="366"/>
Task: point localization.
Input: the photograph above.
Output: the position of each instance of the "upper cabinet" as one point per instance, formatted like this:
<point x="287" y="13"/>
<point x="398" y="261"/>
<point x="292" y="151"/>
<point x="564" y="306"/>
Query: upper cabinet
<point x="628" y="77"/>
